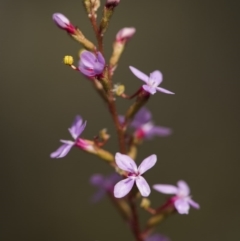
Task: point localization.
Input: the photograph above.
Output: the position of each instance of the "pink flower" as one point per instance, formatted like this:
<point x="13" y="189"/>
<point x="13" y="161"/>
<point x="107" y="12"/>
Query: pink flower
<point x="152" y="81"/>
<point x="91" y="65"/>
<point x="63" y="22"/>
<point x="144" y="126"/>
<point x="75" y="130"/>
<point x="125" y="163"/>
<point x="125" y="34"/>
<point x="182" y="201"/>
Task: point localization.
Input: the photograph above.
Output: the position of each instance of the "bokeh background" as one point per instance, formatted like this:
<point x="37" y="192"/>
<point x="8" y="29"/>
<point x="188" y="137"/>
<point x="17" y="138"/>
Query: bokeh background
<point x="196" y="46"/>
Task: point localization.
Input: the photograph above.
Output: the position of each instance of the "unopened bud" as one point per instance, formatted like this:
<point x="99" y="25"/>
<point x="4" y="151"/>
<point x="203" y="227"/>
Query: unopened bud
<point x="121" y="38"/>
<point x="112" y="3"/>
<point x="125" y="34"/>
<point x="68" y="60"/>
<point x="63" y="22"/>
<point x="91" y="5"/>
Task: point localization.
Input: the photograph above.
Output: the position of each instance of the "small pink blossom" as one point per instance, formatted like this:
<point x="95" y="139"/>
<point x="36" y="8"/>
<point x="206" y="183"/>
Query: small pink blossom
<point x="75" y="130"/>
<point x="91" y="65"/>
<point x="63" y="22"/>
<point x="125" y="163"/>
<point x="182" y="201"/>
<point x="125" y="34"/>
<point x="145" y="127"/>
<point x="152" y="81"/>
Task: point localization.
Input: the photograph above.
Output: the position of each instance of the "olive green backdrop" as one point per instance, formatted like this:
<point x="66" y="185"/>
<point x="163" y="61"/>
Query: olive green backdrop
<point x="196" y="46"/>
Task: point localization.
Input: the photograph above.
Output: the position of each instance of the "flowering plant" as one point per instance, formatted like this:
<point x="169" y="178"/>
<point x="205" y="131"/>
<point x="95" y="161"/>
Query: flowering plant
<point x="126" y="185"/>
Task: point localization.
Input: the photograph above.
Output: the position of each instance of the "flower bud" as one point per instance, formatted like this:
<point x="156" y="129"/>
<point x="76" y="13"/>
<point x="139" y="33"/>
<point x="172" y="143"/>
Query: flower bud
<point x="63" y="22"/>
<point x="125" y="34"/>
<point x="112" y="3"/>
<point x="91" y="5"/>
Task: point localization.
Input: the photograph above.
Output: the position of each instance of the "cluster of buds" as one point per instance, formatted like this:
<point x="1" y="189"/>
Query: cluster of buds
<point x="127" y="182"/>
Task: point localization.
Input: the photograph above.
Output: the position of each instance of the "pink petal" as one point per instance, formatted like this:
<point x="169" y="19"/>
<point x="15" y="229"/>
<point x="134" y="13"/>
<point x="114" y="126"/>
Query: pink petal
<point x="123" y="187"/>
<point x="100" y="58"/>
<point x="143" y="186"/>
<point x="156" y="76"/>
<point x="147" y="163"/>
<point x="62" y="151"/>
<point x="97" y="180"/>
<point x="182" y="206"/>
<point x="139" y="74"/>
<point x="77" y="127"/>
<point x="88" y="59"/>
<point x="193" y="204"/>
<point x="164" y="90"/>
<point x="183" y="188"/>
<point x="166" y="189"/>
<point x="149" y="89"/>
<point x="125" y="163"/>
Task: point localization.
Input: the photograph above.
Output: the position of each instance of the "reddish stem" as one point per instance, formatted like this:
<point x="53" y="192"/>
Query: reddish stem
<point x="134" y="222"/>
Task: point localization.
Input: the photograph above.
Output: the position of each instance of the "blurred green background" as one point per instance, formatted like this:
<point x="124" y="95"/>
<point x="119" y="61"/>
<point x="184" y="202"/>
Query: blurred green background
<point x="196" y="46"/>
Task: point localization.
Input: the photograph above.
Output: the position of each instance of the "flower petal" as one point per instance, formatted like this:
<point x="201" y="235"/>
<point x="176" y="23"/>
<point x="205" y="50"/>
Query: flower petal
<point x="157" y="77"/>
<point x="158" y="131"/>
<point x="123" y="187"/>
<point x="62" y="151"/>
<point x="125" y="163"/>
<point x="77" y="127"/>
<point x="97" y="180"/>
<point x="100" y="58"/>
<point x="139" y="74"/>
<point x="166" y="189"/>
<point x="193" y="204"/>
<point x="147" y="163"/>
<point x="143" y="116"/>
<point x="143" y="186"/>
<point x="88" y="59"/>
<point x="183" y="188"/>
<point x="149" y="89"/>
<point x="164" y="90"/>
<point x="182" y="206"/>
<point x="87" y="71"/>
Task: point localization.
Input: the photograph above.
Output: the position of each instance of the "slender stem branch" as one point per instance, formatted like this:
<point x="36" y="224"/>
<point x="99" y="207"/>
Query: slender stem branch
<point x="134" y="222"/>
<point x="113" y="110"/>
<point x="96" y="31"/>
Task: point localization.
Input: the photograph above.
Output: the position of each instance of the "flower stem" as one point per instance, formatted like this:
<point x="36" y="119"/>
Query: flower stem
<point x="134" y="222"/>
<point x="113" y="111"/>
<point x="96" y="31"/>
